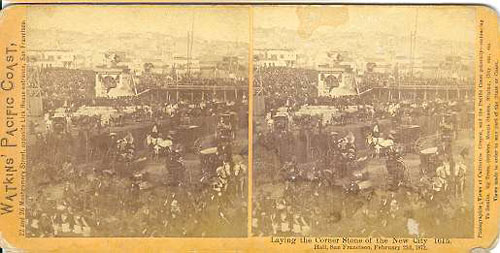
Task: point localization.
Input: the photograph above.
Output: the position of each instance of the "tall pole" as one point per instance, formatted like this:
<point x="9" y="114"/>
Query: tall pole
<point x="190" y="48"/>
<point x="188" y="58"/>
<point x="413" y="45"/>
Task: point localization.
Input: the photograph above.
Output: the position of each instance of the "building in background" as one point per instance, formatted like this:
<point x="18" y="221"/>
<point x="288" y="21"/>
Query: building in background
<point x="52" y="58"/>
<point x="269" y="57"/>
<point x="183" y="65"/>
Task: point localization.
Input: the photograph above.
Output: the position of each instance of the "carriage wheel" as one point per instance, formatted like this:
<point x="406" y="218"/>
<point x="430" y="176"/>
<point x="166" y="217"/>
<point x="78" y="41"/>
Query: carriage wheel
<point x="421" y="142"/>
<point x="197" y="146"/>
<point x="418" y="144"/>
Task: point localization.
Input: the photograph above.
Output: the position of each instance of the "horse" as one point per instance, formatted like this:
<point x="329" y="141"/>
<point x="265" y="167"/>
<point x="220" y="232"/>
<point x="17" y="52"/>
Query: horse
<point x="158" y="145"/>
<point x="378" y="145"/>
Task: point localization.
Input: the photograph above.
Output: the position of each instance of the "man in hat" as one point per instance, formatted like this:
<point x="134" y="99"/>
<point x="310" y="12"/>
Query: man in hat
<point x="240" y="170"/>
<point x="127" y="147"/>
<point x="446" y="129"/>
<point x="443" y="172"/>
<point x="223" y="180"/>
<point x="112" y="148"/>
<point x="333" y="143"/>
<point x="153" y="137"/>
<point x="347" y="154"/>
<point x="395" y="167"/>
<point x="459" y="173"/>
<point x="178" y="163"/>
<point x="154" y="131"/>
<point x="376" y="130"/>
<point x="223" y="129"/>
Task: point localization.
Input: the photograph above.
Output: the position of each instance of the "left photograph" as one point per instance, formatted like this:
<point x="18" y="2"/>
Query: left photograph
<point x="137" y="121"/>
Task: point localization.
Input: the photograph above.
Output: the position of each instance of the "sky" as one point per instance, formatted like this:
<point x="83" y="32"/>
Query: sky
<point x="231" y="23"/>
<point x="211" y="23"/>
<point x="438" y="22"/>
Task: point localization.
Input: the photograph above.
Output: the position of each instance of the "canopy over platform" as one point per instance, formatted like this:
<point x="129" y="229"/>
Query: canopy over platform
<point x="114" y="83"/>
<point x="337" y="82"/>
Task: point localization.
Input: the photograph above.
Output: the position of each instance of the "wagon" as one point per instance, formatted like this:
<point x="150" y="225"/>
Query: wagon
<point x="228" y="134"/>
<point x="209" y="161"/>
<point x="187" y="135"/>
<point x="231" y="118"/>
<point x="59" y="124"/>
<point x="407" y="137"/>
<point x="280" y="122"/>
<point x="429" y="161"/>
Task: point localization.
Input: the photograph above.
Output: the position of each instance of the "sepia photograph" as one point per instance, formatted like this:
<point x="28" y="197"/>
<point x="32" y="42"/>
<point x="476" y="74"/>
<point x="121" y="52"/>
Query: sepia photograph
<point x="137" y="121"/>
<point x="363" y="121"/>
<point x="248" y="127"/>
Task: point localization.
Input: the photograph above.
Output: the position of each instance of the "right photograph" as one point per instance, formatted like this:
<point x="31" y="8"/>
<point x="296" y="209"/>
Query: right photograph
<point x="363" y="121"/>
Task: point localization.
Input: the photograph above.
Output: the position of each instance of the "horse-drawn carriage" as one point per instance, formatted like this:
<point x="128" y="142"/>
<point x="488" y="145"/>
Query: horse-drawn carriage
<point x="59" y="124"/>
<point x="187" y="135"/>
<point x="280" y="122"/>
<point x="429" y="161"/>
<point x="404" y="138"/>
<point x="221" y="141"/>
<point x="407" y="136"/>
<point x="226" y="127"/>
<point x="209" y="161"/>
<point x="183" y="137"/>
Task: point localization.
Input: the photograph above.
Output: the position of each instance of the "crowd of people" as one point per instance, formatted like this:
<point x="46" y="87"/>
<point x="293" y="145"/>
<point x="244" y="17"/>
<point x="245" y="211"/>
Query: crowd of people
<point x="362" y="172"/>
<point x="284" y="86"/>
<point x="377" y="79"/>
<point x="156" y="80"/>
<point x="96" y="202"/>
<point x="136" y="166"/>
<point x="58" y="85"/>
